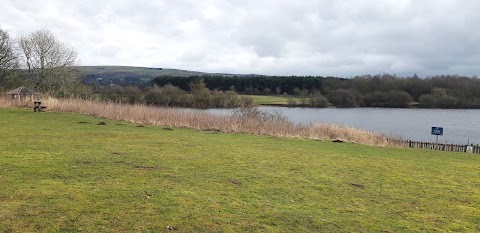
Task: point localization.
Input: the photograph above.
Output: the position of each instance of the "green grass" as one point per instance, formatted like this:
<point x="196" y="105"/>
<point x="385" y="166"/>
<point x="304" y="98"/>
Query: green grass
<point x="271" y="100"/>
<point x="58" y="175"/>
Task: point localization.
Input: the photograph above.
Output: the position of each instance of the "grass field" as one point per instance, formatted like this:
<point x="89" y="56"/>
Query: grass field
<point x="62" y="172"/>
<point x="272" y="100"/>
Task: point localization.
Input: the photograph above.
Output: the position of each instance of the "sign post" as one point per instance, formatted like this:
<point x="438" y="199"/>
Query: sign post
<point x="438" y="131"/>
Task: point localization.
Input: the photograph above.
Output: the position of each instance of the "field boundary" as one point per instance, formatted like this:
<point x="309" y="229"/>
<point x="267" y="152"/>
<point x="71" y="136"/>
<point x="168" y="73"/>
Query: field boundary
<point x="443" y="147"/>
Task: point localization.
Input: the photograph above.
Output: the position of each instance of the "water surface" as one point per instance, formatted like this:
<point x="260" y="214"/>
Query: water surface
<point x="459" y="126"/>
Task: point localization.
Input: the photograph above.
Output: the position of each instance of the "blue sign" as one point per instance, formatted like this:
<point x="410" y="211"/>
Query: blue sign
<point x="437" y="131"/>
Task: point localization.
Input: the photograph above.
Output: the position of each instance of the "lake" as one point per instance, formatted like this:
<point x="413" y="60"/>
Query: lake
<point x="459" y="126"/>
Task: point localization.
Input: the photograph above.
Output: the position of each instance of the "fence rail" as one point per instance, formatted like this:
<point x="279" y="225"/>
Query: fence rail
<point x="443" y="147"/>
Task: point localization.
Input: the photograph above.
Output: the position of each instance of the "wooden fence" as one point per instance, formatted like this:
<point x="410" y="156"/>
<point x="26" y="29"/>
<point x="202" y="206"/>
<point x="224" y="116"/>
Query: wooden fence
<point x="443" y="147"/>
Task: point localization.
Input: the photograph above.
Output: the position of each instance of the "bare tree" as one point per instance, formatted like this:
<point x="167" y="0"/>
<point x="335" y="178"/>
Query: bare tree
<point x="8" y="59"/>
<point x="50" y="63"/>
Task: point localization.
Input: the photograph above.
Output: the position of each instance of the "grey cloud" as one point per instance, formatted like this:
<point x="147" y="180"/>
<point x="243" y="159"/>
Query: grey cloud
<point x="311" y="37"/>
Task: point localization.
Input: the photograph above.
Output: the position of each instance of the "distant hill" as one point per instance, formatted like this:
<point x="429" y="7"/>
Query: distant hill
<point x="134" y="75"/>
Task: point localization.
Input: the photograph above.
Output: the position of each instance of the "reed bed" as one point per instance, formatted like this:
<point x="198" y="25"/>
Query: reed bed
<point x="247" y="120"/>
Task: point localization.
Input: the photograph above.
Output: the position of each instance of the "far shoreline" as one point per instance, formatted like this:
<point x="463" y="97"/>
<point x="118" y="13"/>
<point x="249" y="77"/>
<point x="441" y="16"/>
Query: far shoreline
<point x="334" y="107"/>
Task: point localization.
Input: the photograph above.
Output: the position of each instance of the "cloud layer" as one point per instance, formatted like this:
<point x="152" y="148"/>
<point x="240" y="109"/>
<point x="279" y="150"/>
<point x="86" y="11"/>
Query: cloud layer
<point x="278" y="37"/>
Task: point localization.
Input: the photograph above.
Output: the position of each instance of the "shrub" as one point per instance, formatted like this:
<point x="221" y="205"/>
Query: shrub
<point x="200" y="97"/>
<point x="345" y="98"/>
<point x="167" y="95"/>
<point x="318" y="100"/>
<point x="291" y="102"/>
<point x="447" y="102"/>
<point x="436" y="101"/>
<point x="129" y="94"/>
<point x="427" y="101"/>
<point x="391" y="99"/>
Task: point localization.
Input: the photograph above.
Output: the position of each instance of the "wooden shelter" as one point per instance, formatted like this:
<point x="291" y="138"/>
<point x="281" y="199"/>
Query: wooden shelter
<point x="22" y="93"/>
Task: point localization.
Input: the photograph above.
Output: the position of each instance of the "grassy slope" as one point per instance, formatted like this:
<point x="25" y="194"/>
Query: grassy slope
<point x="60" y="175"/>
<point x="143" y="72"/>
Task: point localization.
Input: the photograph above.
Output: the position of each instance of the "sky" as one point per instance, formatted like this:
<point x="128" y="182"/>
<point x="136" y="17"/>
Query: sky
<point x="340" y="38"/>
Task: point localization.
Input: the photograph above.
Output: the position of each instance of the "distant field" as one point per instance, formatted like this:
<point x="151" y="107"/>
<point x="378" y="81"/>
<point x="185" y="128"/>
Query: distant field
<point x="271" y="100"/>
<point x="62" y="172"/>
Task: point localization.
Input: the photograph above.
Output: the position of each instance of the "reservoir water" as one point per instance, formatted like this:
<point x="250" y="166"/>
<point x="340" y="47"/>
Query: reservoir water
<point x="460" y="126"/>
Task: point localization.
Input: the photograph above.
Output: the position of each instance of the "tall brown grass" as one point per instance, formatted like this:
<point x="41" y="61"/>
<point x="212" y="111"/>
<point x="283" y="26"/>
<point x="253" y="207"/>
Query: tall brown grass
<point x="248" y="120"/>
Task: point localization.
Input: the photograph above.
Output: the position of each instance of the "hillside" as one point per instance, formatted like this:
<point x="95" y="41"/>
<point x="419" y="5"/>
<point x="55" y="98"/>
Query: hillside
<point x="70" y="174"/>
<point x="133" y="75"/>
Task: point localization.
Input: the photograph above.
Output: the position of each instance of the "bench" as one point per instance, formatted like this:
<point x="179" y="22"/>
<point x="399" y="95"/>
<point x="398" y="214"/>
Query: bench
<point x="37" y="106"/>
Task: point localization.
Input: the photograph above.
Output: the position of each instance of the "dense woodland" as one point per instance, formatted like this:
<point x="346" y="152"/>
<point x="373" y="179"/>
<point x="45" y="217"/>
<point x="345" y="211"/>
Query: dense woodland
<point x="446" y="91"/>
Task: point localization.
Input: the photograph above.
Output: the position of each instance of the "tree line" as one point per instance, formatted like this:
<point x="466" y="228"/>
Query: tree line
<point x="383" y="90"/>
<point x="248" y="84"/>
<point x="198" y="96"/>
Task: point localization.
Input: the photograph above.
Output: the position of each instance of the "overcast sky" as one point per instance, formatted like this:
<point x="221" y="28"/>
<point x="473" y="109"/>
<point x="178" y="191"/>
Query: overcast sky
<point x="275" y="37"/>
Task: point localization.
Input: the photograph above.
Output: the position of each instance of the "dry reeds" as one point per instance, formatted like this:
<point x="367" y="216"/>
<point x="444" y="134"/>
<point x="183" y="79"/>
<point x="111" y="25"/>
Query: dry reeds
<point x="248" y="120"/>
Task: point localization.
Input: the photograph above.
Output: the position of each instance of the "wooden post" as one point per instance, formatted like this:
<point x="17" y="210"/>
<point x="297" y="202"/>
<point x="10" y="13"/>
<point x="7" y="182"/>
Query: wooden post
<point x="441" y="147"/>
